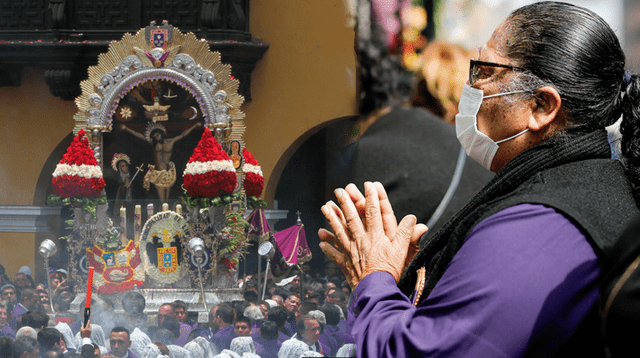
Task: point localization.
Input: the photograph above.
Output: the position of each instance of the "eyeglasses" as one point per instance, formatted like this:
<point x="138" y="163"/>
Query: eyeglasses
<point x="474" y="69"/>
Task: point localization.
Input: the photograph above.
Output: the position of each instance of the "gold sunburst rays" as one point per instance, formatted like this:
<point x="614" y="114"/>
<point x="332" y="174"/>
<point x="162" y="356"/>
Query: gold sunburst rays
<point x="189" y="44"/>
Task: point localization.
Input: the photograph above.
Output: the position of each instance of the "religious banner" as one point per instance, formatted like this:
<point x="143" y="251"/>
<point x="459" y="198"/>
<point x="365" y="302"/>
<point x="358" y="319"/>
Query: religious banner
<point x="259" y="229"/>
<point x="162" y="245"/>
<point x="116" y="271"/>
<point x="292" y="242"/>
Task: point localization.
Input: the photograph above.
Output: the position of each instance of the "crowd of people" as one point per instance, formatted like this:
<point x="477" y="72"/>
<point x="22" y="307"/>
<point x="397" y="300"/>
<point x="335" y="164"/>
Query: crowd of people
<point x="293" y="320"/>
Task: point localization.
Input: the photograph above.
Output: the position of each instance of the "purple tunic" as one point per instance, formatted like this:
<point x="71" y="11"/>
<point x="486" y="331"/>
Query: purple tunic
<point x="7" y="331"/>
<point x="185" y="330"/>
<point x="525" y="277"/>
<point x="222" y="339"/>
<point x="18" y="310"/>
<point x="335" y="333"/>
<point x="268" y="349"/>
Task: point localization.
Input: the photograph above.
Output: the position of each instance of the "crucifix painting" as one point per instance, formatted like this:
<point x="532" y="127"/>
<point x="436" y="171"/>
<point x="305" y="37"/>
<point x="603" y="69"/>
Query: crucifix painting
<point x="157" y="125"/>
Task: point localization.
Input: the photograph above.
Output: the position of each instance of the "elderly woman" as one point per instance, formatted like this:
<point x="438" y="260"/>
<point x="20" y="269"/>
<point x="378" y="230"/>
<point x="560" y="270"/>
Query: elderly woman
<point x="515" y="272"/>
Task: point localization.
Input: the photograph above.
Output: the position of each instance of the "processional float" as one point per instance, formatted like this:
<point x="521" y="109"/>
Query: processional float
<point x="158" y="160"/>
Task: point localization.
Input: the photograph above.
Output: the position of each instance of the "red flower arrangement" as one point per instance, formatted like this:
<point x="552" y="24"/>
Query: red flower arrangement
<point x="253" y="177"/>
<point x="78" y="174"/>
<point x="229" y="263"/>
<point x="209" y="172"/>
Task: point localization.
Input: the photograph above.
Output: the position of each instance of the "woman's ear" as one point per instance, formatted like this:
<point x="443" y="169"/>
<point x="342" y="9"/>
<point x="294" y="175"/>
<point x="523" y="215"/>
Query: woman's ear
<point x="545" y="108"/>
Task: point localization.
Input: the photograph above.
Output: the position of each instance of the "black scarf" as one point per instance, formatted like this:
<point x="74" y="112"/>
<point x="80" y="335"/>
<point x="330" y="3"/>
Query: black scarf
<point x="571" y="146"/>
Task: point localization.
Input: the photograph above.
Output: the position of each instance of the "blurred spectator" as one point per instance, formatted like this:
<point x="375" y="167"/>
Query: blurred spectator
<point x="23" y="279"/>
<point x="27" y="331"/>
<point x="120" y="342"/>
<point x="4" y="279"/>
<point x="43" y="297"/>
<point x="5" y="328"/>
<point x="242" y="327"/>
<point x="28" y="300"/>
<point x="9" y="294"/>
<point x="224" y="319"/>
<point x="49" y="339"/>
<point x="6" y="347"/>
<point x="268" y="344"/>
<point x="25" y="347"/>
<point x="35" y="319"/>
<point x="278" y="315"/>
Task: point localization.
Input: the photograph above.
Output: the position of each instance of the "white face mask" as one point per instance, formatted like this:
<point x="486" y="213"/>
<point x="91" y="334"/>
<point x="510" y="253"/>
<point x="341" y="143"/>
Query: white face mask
<point x="478" y="145"/>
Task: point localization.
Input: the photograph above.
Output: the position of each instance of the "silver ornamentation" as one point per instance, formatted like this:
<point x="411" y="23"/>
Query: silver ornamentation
<point x="186" y="63"/>
<point x="127" y="66"/>
<point x="119" y="88"/>
<point x="95" y="99"/>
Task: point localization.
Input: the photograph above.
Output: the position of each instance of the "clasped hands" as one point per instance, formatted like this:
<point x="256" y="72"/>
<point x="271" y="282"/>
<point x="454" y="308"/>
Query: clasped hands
<point x="366" y="236"/>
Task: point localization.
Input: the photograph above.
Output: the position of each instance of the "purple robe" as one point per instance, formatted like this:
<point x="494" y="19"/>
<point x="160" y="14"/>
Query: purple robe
<point x="268" y="349"/>
<point x="203" y="331"/>
<point x="131" y="354"/>
<point x="335" y="333"/>
<point x="290" y="326"/>
<point x="345" y="329"/>
<point x="255" y="328"/>
<point x="7" y="331"/>
<point x="282" y="337"/>
<point x="185" y="330"/>
<point x="18" y="310"/>
<point x="329" y="345"/>
<point x="222" y="339"/>
<point x="525" y="277"/>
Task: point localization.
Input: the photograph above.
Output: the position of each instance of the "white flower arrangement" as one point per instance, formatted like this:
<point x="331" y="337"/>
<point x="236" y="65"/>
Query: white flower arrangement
<point x="250" y="168"/>
<point x="201" y="168"/>
<point x="84" y="170"/>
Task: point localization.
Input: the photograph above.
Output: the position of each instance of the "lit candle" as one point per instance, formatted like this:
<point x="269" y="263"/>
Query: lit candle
<point x="165" y="207"/>
<point x="123" y="226"/>
<point x="149" y="210"/>
<point x="137" y="223"/>
<point x="179" y="209"/>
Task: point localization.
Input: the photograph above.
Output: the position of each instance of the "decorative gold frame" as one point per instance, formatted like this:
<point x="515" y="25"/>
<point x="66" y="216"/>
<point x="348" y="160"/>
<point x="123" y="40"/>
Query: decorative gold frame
<point x="182" y="59"/>
<point x="189" y="62"/>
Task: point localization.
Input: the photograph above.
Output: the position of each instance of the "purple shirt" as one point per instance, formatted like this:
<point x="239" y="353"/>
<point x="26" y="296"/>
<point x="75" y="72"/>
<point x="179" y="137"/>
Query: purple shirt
<point x="18" y="310"/>
<point x="7" y="331"/>
<point x="222" y="339"/>
<point x="525" y="277"/>
<point x="268" y="349"/>
<point x="185" y="330"/>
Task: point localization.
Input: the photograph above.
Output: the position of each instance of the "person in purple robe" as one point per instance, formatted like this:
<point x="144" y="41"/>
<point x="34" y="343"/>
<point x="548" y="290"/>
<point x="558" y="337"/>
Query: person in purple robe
<point x="8" y="294"/>
<point x="50" y="339"/>
<point x="515" y="272"/>
<point x="120" y="342"/>
<point x="268" y="345"/>
<point x="278" y="314"/>
<point x="224" y="319"/>
<point x="28" y="300"/>
<point x="329" y="343"/>
<point x="291" y="304"/>
<point x="308" y="331"/>
<point x="254" y="313"/>
<point x="206" y="331"/>
<point x="332" y="317"/>
<point x="6" y="330"/>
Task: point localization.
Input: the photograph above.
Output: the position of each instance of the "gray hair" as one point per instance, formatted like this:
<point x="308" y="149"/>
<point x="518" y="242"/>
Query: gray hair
<point x="320" y="317"/>
<point x="253" y="313"/>
<point x="7" y="286"/>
